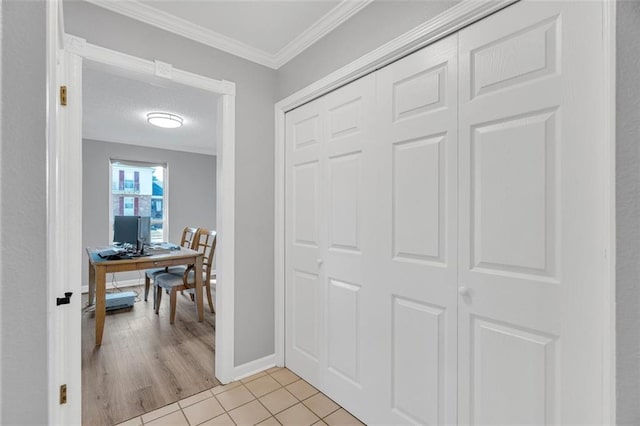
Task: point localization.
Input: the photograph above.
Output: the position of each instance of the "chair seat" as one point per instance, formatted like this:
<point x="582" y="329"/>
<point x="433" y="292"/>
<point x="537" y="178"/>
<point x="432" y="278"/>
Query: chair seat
<point x="151" y="273"/>
<point x="168" y="280"/>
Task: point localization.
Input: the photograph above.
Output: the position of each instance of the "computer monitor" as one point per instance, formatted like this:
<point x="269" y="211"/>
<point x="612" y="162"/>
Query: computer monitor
<point x="130" y="229"/>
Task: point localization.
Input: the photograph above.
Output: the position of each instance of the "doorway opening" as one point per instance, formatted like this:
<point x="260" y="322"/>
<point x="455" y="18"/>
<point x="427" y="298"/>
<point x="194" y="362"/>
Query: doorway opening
<point x="74" y="60"/>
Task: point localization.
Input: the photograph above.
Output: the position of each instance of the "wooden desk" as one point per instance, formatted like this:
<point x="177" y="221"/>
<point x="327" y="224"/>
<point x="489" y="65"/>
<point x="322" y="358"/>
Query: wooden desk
<point x="99" y="268"/>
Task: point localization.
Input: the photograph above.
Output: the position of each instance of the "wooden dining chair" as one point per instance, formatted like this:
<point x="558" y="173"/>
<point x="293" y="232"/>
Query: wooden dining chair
<point x="188" y="240"/>
<point x="174" y="282"/>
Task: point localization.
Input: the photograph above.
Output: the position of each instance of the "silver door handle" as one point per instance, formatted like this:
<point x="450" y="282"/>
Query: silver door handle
<point x="464" y="291"/>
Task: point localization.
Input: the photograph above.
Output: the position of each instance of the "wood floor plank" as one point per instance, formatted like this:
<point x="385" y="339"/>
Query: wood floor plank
<point x="144" y="362"/>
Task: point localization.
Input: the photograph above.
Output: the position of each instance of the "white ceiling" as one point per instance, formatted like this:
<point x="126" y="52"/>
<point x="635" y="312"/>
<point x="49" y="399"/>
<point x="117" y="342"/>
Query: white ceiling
<point x="115" y="108"/>
<point x="269" y="32"/>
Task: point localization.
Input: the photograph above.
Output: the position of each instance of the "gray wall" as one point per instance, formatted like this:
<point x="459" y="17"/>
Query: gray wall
<point x="255" y="85"/>
<point x="192" y="191"/>
<point x="628" y="212"/>
<point x="375" y="25"/>
<point x="23" y="331"/>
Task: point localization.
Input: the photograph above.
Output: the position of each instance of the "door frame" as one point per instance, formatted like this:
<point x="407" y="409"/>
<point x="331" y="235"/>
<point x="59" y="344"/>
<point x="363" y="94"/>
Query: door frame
<point x="455" y="18"/>
<point x="65" y="55"/>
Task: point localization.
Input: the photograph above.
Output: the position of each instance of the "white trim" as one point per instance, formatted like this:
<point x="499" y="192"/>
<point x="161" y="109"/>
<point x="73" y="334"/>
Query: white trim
<point x="113" y="58"/>
<point x="448" y="22"/>
<point x="168" y="22"/>
<point x="225" y="262"/>
<point x="253" y="367"/>
<point x="322" y="27"/>
<point x="1" y="100"/>
<point x="64" y="214"/>
<point x="456" y="17"/>
<point x="174" y="24"/>
<point x="609" y="186"/>
<point x="64" y="207"/>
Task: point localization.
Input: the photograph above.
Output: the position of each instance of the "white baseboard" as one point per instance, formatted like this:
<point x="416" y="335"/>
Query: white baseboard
<point x="253" y="367"/>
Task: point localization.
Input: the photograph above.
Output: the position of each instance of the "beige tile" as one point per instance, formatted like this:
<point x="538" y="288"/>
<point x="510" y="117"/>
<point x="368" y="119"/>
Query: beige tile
<point x="249" y="414"/>
<point x="298" y="415"/>
<point x="136" y="421"/>
<point x="321" y="405"/>
<point x="284" y="376"/>
<point x="235" y="397"/>
<point x="203" y="410"/>
<point x="253" y="377"/>
<point x="223" y="420"/>
<point x="342" y="418"/>
<point x="163" y="411"/>
<point x="224" y="388"/>
<point x="301" y="389"/>
<point x="271" y="421"/>
<point x="263" y="386"/>
<point x="273" y="369"/>
<point x="195" y="398"/>
<point x="174" y="419"/>
<point x="319" y="423"/>
<point x="278" y="400"/>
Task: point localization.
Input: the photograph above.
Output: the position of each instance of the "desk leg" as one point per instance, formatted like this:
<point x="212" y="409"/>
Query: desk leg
<point x="92" y="283"/>
<point x="199" y="288"/>
<point x="101" y="275"/>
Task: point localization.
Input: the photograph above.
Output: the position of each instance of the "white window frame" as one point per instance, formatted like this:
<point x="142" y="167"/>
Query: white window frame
<point x="165" y="192"/>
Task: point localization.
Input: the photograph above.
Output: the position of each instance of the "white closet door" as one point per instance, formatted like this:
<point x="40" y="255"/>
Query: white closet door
<point x="349" y="286"/>
<point x="530" y="258"/>
<point x="304" y="240"/>
<point x="416" y="254"/>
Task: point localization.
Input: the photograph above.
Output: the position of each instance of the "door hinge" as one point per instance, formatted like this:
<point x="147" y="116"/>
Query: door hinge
<point x="63" y="394"/>
<point x="63" y="95"/>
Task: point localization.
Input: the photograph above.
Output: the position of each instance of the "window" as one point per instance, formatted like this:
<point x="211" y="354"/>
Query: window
<point x="138" y="189"/>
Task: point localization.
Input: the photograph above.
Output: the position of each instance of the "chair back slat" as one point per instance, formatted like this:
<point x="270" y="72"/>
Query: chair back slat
<point x="206" y="244"/>
<point x="188" y="239"/>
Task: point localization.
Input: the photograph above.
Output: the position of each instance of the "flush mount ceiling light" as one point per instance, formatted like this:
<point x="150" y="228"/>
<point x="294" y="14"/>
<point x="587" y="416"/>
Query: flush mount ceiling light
<point x="164" y="119"/>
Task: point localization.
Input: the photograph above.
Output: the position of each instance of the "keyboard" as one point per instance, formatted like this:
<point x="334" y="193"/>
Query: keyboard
<point x="106" y="253"/>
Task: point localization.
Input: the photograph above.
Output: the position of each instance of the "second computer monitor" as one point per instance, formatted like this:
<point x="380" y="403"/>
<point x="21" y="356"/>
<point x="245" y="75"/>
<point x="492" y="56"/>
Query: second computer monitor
<point x="130" y="229"/>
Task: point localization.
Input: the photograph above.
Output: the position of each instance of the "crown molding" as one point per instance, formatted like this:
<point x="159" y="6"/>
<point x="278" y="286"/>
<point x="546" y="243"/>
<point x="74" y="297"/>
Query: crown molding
<point x="160" y="19"/>
<point x="168" y="22"/>
<point x="332" y="19"/>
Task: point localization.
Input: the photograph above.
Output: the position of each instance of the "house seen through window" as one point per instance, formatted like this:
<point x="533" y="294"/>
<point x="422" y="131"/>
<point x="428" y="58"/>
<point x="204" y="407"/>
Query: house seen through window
<point x="138" y="189"/>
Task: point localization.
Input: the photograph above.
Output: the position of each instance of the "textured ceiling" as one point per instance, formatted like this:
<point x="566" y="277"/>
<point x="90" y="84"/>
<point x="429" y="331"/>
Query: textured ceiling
<point x="264" y="24"/>
<point x="115" y="108"/>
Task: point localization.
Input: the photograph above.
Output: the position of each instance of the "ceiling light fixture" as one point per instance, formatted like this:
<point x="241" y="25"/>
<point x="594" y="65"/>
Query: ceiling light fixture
<point x="164" y="119"/>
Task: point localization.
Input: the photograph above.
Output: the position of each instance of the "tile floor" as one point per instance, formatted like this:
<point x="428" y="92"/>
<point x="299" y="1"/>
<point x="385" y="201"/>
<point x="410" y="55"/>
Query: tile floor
<point x="272" y="397"/>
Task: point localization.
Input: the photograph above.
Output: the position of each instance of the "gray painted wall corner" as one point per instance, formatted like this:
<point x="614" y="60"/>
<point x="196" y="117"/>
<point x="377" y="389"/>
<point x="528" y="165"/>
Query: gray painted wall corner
<point x="628" y="212"/>
<point x="23" y="312"/>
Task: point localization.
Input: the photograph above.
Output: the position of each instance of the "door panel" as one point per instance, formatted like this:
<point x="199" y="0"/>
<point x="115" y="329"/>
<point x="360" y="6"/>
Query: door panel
<point x="348" y="285"/>
<point x="416" y="254"/>
<point x="304" y="240"/>
<point x="529" y="256"/>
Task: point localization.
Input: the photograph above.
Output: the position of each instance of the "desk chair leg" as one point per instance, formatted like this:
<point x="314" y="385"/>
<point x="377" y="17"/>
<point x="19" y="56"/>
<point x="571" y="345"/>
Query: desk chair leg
<point x="147" y="283"/>
<point x="158" y="298"/>
<point x="173" y="306"/>
<point x="208" y="287"/>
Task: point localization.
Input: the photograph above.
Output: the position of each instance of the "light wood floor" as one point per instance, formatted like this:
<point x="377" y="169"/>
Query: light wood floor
<point x="144" y="362"/>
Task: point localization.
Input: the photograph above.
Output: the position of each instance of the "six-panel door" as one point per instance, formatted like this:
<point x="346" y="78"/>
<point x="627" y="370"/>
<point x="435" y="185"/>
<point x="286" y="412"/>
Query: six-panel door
<point x="442" y="263"/>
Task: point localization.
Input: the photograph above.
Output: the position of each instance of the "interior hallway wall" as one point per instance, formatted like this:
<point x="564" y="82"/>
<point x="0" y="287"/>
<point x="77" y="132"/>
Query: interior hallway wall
<point x="23" y="257"/>
<point x="255" y="94"/>
<point x="191" y="189"/>
<point x="628" y="212"/>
